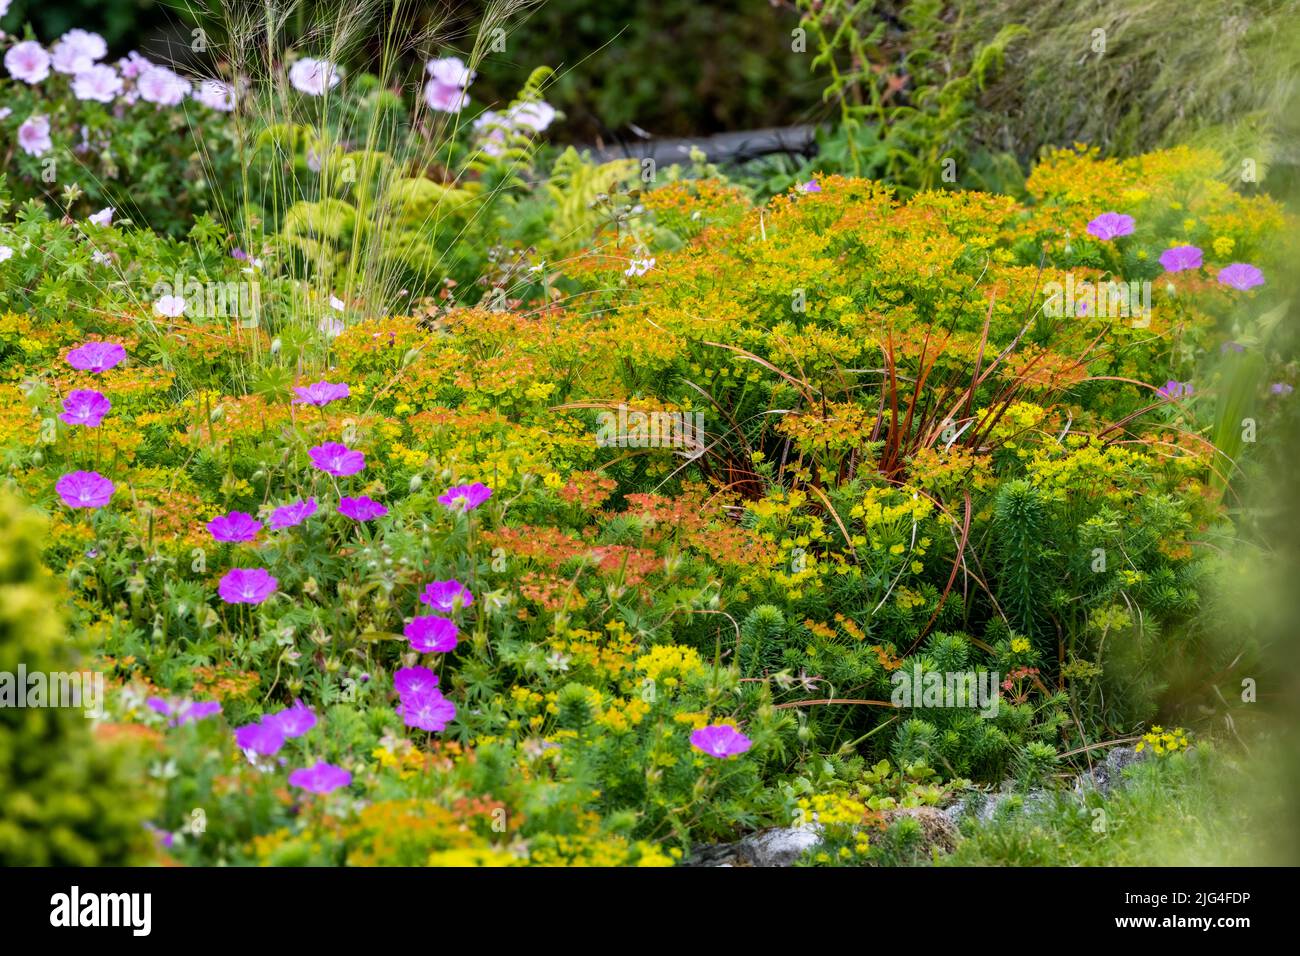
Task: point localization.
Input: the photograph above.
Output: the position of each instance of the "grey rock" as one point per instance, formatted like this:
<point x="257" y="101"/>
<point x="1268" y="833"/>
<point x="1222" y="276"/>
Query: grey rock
<point x="782" y="846"/>
<point x="779" y="846"/>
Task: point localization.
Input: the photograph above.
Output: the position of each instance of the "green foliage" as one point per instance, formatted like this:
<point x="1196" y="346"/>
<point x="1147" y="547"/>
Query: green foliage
<point x="1020" y="533"/>
<point x="1199" y="808"/>
<point x="65" y="799"/>
<point x="907" y="95"/>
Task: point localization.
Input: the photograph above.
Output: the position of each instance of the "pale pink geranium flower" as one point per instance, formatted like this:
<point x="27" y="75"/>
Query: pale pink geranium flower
<point x="28" y="61"/>
<point x="6" y="253"/>
<point x="102" y="218"/>
<point x="34" y="136"/>
<point x="216" y="95"/>
<point x="133" y="64"/>
<point x="99" y="83"/>
<point x="77" y="51"/>
<point x="170" y="306"/>
<point x="445" y="91"/>
<point x="314" y="77"/>
<point x="450" y="71"/>
<point x="534" y="115"/>
<point x="131" y="67"/>
<point x="490" y="128"/>
<point x="159" y="85"/>
<point x="445" y="98"/>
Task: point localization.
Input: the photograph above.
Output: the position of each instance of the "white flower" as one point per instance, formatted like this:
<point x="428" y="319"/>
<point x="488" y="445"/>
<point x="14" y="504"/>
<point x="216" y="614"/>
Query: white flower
<point x="103" y="258"/>
<point x="6" y="253"/>
<point x="337" y="304"/>
<point x="169" y="305"/>
<point x="313" y="77"/>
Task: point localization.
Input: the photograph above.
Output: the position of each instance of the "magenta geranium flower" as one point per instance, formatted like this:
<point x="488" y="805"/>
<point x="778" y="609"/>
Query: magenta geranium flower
<point x="446" y="596"/>
<point x="288" y="516"/>
<point x="361" y="509"/>
<point x="84" y="489"/>
<point x="1174" y="390"/>
<point x="414" y="682"/>
<point x="431" y="634"/>
<point x="236" y="526"/>
<point x="320" y="394"/>
<point x="1110" y="225"/>
<point x="247" y="586"/>
<point x="337" y="459"/>
<point x="85" y="406"/>
<point x="1181" y="258"/>
<point x="185" y="711"/>
<point x="293" y="721"/>
<point x="96" y="356"/>
<point x="263" y="738"/>
<point x="465" y="497"/>
<point x="430" y="711"/>
<point x="720" y="740"/>
<point x="199" y="710"/>
<point x="1241" y="276"/>
<point x="321" y="778"/>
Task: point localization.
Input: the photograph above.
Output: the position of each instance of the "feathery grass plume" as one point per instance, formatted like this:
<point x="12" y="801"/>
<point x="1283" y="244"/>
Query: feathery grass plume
<point x="355" y="201"/>
<point x="1133" y="76"/>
